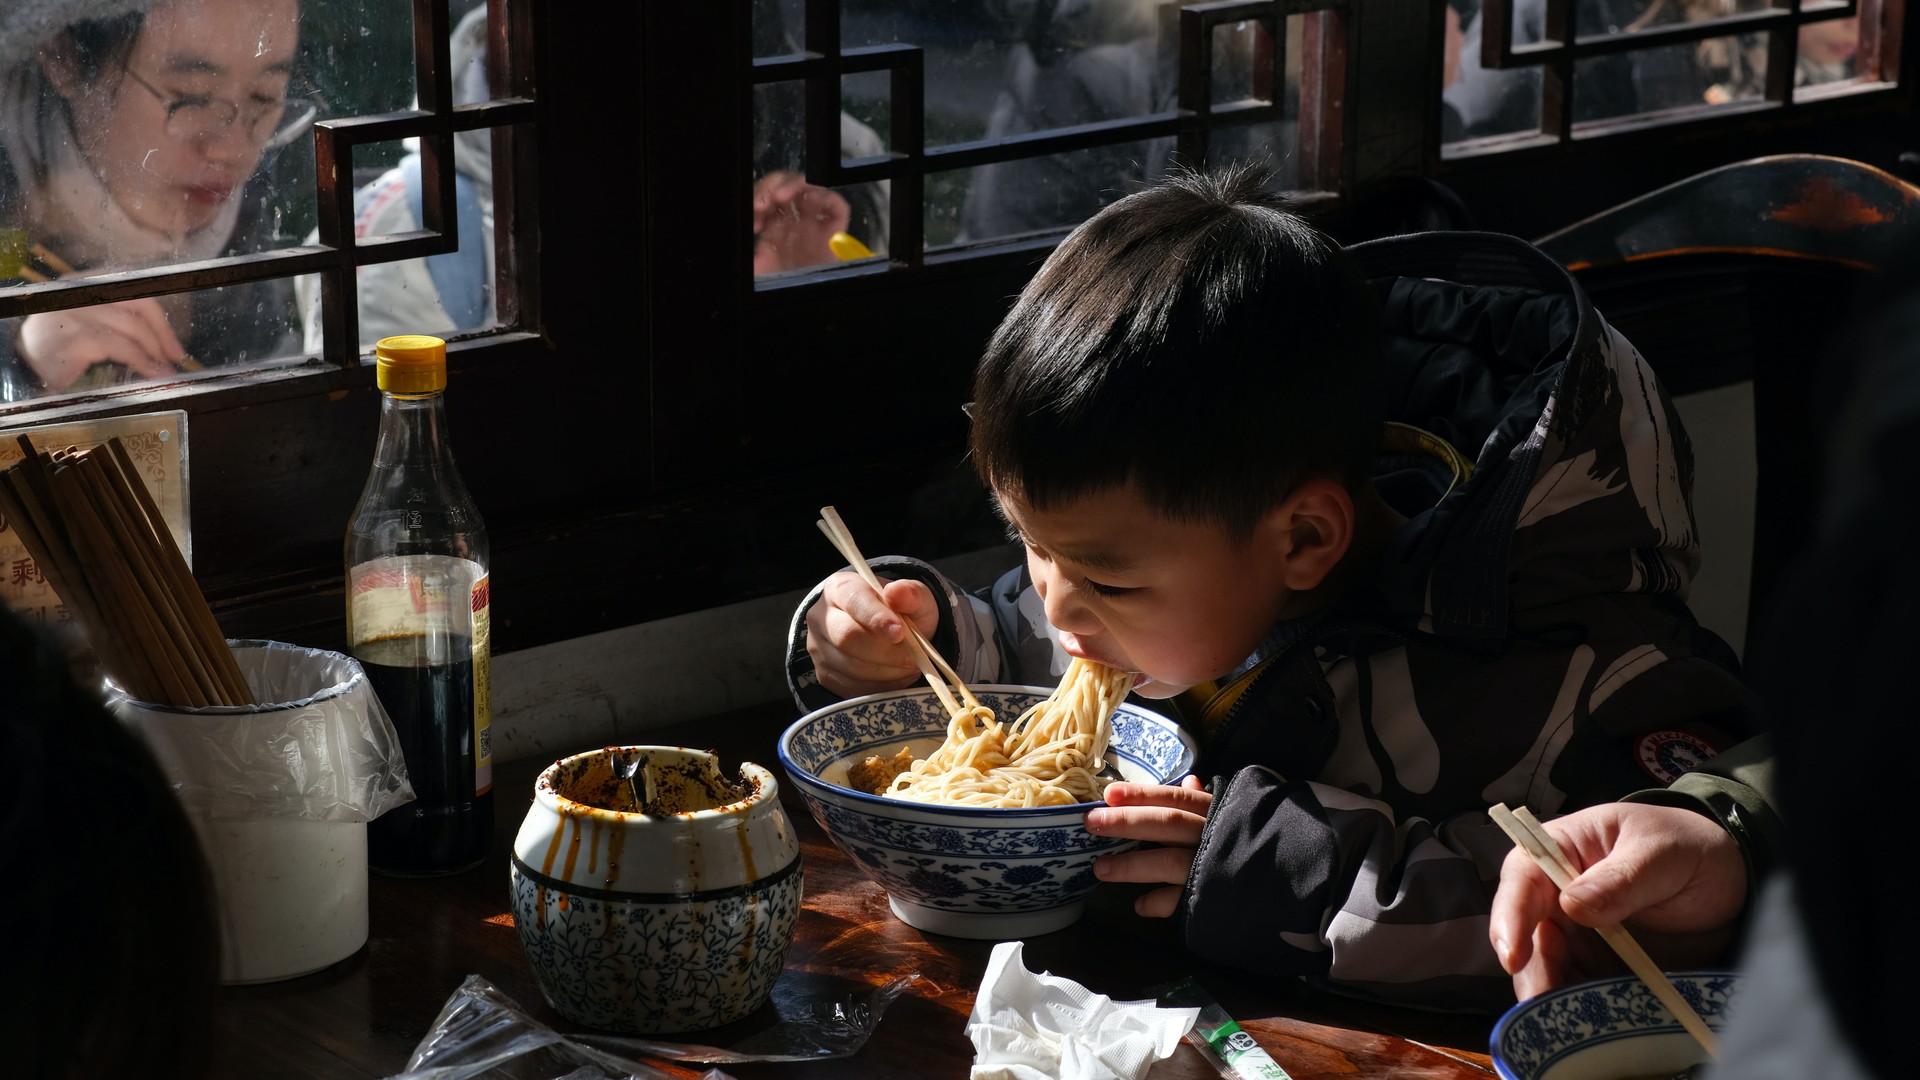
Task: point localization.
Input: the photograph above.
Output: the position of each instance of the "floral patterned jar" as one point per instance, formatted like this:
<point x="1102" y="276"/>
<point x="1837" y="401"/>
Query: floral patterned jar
<point x="660" y="903"/>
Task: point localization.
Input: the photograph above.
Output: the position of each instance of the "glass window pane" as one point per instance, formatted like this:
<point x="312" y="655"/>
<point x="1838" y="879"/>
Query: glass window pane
<point x="798" y="224"/>
<point x="1274" y="143"/>
<point x="250" y="324"/>
<point x="1733" y="68"/>
<point x="1002" y="68"/>
<point x="1478" y="102"/>
<point x="1827" y="51"/>
<point x="802" y="226"/>
<point x="1242" y="58"/>
<point x="191" y="123"/>
<point x="148" y="139"/>
<point x="1594" y="17"/>
<point x="1716" y="71"/>
<point x="360" y="59"/>
<point x="1725" y="70"/>
<point x="443" y="295"/>
<point x="776" y="27"/>
<point x="1091" y="63"/>
<point x="1078" y="64"/>
<point x="1001" y="71"/>
<point x="1041" y="193"/>
<point x="866" y="99"/>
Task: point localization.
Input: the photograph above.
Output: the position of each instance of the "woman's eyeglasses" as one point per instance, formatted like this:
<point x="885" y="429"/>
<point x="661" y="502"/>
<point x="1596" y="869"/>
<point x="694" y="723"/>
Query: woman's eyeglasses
<point x="194" y="119"/>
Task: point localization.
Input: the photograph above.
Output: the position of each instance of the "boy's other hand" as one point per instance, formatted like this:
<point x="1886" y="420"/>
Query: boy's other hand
<point x="1171" y="817"/>
<point x="1674" y="876"/>
<point x="859" y="644"/>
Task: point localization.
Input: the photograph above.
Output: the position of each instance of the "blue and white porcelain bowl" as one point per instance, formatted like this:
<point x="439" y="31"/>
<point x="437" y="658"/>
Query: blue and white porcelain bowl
<point x="1609" y="1029"/>
<point x="674" y="919"/>
<point x="957" y="870"/>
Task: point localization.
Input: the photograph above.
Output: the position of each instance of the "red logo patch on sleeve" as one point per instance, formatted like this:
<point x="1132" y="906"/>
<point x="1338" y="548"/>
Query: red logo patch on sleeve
<point x="1666" y="755"/>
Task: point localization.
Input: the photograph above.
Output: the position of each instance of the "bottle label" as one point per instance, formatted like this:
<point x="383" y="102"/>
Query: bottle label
<point x="482" y="600"/>
<point x="412" y="596"/>
<point x="429" y="611"/>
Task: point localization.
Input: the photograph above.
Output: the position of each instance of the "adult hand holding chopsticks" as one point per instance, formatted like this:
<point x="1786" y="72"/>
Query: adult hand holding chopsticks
<point x="61" y="345"/>
<point x="858" y="640"/>
<point x="1675" y="876"/>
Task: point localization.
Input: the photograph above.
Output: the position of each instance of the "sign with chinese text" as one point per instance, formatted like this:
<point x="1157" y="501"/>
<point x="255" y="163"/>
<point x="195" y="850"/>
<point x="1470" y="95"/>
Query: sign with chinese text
<point x="157" y="443"/>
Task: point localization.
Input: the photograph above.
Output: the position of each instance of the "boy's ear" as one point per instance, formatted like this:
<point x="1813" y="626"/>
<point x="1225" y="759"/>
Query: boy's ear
<point x="1313" y="529"/>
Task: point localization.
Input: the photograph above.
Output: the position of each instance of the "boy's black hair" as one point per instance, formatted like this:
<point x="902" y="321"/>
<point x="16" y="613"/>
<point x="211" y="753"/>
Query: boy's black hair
<point x="1199" y="339"/>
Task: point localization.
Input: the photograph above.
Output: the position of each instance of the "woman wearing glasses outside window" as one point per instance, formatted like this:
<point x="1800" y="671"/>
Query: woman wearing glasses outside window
<point x="128" y="137"/>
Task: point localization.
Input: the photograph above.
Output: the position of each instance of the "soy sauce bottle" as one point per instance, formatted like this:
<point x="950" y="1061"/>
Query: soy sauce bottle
<point x="417" y="607"/>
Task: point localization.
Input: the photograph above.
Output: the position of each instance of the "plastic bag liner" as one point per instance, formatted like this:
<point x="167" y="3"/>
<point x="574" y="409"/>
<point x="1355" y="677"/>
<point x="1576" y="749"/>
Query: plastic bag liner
<point x="483" y="1033"/>
<point x="319" y="748"/>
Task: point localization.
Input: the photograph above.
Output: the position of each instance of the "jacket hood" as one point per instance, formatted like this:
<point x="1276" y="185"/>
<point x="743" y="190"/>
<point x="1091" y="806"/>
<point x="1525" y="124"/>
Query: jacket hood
<point x="1493" y="347"/>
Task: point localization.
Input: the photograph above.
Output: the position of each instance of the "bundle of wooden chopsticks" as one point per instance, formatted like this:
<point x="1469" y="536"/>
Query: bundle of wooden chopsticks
<point x="1534" y="839"/>
<point x="93" y="528"/>
<point x="947" y="685"/>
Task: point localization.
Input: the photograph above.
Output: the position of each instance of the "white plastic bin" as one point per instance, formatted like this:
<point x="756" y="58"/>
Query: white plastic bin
<point x="280" y="794"/>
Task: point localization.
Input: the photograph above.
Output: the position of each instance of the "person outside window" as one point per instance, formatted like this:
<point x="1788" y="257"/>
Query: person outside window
<point x="132" y="134"/>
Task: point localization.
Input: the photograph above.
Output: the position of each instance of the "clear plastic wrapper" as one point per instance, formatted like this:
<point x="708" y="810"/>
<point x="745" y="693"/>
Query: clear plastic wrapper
<point x="319" y="747"/>
<point x="809" y="1017"/>
<point x="482" y="1033"/>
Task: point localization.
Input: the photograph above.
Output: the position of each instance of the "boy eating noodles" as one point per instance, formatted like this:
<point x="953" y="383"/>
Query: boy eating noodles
<point x="1402" y="529"/>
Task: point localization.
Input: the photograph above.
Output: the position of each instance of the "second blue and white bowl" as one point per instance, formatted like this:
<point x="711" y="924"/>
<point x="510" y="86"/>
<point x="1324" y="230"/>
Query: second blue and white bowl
<point x="965" y="871"/>
<point x="1609" y="1029"/>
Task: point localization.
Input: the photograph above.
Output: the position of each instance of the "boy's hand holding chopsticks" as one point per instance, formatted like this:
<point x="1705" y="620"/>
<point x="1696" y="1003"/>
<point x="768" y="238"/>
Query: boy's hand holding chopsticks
<point x="858" y="641"/>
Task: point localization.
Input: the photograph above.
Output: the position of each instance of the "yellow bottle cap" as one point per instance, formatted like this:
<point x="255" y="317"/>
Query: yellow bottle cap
<point x="411" y="364"/>
<point x="846" y="248"/>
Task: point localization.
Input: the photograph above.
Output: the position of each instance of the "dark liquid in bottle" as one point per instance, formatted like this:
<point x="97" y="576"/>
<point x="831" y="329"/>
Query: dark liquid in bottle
<point x="446" y="828"/>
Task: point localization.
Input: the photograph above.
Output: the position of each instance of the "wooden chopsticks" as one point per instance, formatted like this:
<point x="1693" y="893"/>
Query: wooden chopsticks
<point x="947" y="685"/>
<point x="58" y="265"/>
<point x="1527" y="832"/>
<point x="92" y="527"/>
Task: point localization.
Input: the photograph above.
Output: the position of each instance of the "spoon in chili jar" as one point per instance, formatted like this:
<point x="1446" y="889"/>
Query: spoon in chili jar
<point x="625" y="767"/>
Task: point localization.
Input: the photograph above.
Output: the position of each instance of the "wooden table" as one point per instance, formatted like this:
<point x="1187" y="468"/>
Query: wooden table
<point x="362" y="1017"/>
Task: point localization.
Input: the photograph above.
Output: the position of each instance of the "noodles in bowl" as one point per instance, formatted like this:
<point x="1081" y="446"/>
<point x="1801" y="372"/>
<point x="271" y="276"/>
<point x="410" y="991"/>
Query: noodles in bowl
<point x="967" y="870"/>
<point x="1052" y="755"/>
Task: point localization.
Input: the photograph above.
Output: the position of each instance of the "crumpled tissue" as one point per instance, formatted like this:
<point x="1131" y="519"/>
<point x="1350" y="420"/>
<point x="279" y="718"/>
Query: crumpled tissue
<point x="1043" y="1027"/>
